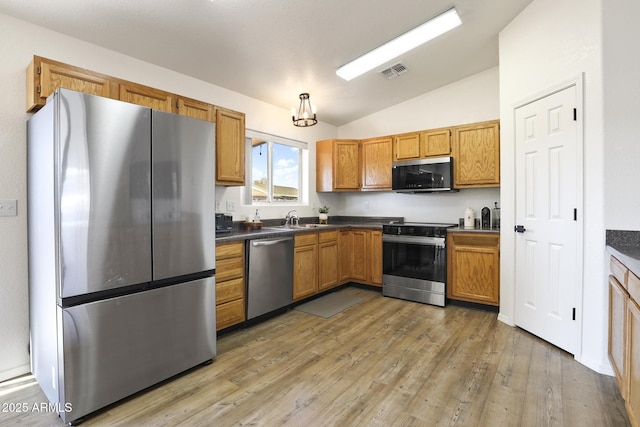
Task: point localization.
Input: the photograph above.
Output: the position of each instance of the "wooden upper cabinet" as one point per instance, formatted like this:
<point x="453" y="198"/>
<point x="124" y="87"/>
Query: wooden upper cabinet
<point x="476" y="152"/>
<point x="147" y="96"/>
<point x="196" y="109"/>
<point x="377" y="156"/>
<point x="44" y="76"/>
<point x="230" y="147"/>
<point x="406" y="146"/>
<point x="337" y="165"/>
<point x="435" y="142"/>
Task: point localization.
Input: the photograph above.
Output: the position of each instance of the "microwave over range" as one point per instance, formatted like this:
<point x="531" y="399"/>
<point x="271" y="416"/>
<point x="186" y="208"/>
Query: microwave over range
<point x="423" y="175"/>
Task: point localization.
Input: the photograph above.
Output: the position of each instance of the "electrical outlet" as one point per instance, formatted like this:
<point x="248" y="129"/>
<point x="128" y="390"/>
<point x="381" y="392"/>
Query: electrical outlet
<point x="366" y="205"/>
<point x="218" y="206"/>
<point x="231" y="206"/>
<point x="9" y="207"/>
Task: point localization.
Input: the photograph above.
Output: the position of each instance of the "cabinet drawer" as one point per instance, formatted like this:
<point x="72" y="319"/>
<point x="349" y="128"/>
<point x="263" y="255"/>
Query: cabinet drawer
<point x="633" y="286"/>
<point x="229" y="314"/>
<point x="475" y="239"/>
<point x="327" y="236"/>
<point x="229" y="290"/>
<point x="229" y="250"/>
<point x="306" y="239"/>
<point x="619" y="271"/>
<point x="227" y="269"/>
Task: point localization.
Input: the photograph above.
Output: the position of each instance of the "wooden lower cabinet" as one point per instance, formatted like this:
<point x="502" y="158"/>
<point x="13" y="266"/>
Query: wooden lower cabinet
<point x="360" y="243"/>
<point x="362" y="257"/>
<point x="328" y="270"/>
<point x="618" y="298"/>
<point x="230" y="284"/>
<point x="327" y="259"/>
<point x="345" y="254"/>
<point x="375" y="257"/>
<point x="473" y="267"/>
<point x="633" y="359"/>
<point x="624" y="335"/>
<point x="305" y="266"/>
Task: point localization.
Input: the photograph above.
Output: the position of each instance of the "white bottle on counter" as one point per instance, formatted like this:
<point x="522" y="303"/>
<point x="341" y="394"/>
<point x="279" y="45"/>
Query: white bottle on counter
<point x="468" y="218"/>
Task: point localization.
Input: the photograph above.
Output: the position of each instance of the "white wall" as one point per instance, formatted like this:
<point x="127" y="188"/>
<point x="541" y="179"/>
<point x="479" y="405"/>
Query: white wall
<point x="621" y="74"/>
<point x="19" y="41"/>
<point x="473" y="99"/>
<point x="549" y="43"/>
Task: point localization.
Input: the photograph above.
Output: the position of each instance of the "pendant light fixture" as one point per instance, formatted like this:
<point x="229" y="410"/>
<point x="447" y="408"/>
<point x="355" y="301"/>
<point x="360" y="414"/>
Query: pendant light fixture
<point x="306" y="113"/>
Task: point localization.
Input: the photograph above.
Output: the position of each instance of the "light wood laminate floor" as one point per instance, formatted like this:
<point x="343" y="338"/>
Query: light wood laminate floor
<point x="382" y="362"/>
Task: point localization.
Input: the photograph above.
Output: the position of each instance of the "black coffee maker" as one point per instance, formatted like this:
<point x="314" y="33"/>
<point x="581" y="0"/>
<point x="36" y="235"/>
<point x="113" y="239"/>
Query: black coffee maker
<point x="485" y="217"/>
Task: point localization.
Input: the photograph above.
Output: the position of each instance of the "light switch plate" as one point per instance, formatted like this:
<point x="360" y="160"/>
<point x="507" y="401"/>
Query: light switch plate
<point x="8" y="207"/>
<point x="231" y="206"/>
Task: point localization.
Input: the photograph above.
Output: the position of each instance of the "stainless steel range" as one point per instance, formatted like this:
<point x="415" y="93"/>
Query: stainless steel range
<point x="415" y="262"/>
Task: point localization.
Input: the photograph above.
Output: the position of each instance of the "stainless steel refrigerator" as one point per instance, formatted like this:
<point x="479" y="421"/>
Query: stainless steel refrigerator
<point x="121" y="214"/>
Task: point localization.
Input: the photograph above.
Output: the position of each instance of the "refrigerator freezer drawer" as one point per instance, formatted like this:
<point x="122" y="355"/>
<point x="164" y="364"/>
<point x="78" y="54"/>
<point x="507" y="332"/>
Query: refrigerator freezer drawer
<point x="129" y="343"/>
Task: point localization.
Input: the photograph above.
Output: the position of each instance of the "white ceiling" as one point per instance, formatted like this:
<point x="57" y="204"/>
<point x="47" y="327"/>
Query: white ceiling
<point x="273" y="50"/>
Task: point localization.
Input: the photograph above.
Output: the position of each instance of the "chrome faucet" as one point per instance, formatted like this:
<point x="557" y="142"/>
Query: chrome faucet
<point x="291" y="219"/>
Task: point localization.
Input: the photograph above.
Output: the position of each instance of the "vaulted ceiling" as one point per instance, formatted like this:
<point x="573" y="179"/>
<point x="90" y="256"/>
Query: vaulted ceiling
<point x="274" y="50"/>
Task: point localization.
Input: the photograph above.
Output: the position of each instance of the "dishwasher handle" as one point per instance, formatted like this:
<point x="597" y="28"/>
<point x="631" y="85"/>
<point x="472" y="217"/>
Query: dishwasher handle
<point x="270" y="242"/>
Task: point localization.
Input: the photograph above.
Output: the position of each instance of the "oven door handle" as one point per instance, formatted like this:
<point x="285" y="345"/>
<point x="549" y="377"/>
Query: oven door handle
<point x="414" y="240"/>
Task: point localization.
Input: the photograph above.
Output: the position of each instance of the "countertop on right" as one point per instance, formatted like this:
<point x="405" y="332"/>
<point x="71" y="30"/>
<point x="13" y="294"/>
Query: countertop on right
<point x="473" y="230"/>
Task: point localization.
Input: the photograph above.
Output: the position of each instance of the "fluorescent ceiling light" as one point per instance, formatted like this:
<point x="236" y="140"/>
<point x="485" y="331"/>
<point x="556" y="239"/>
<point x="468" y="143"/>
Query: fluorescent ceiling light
<point x="401" y="44"/>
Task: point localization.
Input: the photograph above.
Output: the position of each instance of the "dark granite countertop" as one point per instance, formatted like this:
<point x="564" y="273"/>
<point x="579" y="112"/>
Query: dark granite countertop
<point x="625" y="245"/>
<point x="271" y="228"/>
<point x="473" y="230"/>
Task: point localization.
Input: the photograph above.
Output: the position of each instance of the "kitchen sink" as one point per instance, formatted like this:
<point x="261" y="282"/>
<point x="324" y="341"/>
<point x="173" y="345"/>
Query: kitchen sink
<point x="297" y="227"/>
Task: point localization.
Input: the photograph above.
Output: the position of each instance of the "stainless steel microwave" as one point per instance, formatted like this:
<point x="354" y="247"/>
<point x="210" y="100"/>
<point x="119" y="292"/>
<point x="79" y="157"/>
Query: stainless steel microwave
<point x="423" y="175"/>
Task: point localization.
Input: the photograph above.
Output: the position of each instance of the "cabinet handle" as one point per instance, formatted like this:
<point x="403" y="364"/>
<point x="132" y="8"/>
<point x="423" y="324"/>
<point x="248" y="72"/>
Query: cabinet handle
<point x="519" y="229"/>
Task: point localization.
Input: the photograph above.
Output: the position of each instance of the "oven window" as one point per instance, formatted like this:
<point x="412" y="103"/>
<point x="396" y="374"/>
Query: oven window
<point x="425" y="262"/>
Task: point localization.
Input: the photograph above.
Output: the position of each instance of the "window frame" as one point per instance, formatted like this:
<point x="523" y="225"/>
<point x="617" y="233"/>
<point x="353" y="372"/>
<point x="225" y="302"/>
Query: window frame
<point x="303" y="169"/>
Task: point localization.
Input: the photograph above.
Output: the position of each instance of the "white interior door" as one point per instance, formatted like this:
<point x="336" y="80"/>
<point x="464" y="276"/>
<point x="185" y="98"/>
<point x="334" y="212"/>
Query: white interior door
<point x="547" y="276"/>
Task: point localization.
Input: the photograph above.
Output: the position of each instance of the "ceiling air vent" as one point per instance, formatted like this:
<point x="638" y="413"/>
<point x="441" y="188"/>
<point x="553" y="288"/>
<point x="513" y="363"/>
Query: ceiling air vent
<point x="394" y="71"/>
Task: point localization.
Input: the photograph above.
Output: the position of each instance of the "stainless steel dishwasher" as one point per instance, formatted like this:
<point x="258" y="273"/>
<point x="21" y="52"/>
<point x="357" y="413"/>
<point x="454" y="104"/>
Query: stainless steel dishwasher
<point x="270" y="275"/>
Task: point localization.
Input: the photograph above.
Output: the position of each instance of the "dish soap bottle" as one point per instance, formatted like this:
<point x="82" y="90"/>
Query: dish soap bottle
<point x="256" y="218"/>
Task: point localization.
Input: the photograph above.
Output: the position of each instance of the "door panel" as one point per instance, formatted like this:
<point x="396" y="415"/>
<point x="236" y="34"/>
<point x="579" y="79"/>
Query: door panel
<point x="103" y="182"/>
<point x="546" y="195"/>
<point x="183" y="195"/>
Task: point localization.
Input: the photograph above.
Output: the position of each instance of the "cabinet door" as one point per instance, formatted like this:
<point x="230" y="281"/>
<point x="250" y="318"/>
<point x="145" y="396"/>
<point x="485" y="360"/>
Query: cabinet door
<point x="327" y="265"/>
<point x="406" y="147"/>
<point x="230" y="147"/>
<point x="346" y="165"/>
<point x="196" y="109"/>
<point x="633" y="362"/>
<point x="305" y="271"/>
<point x="376" y="164"/>
<point x="375" y="257"/>
<point x="44" y="76"/>
<point x="617" y="332"/>
<point x="435" y="143"/>
<point x="473" y="268"/>
<point x="147" y="96"/>
<point x="359" y="270"/>
<point x="345" y="251"/>
<point x="476" y="149"/>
